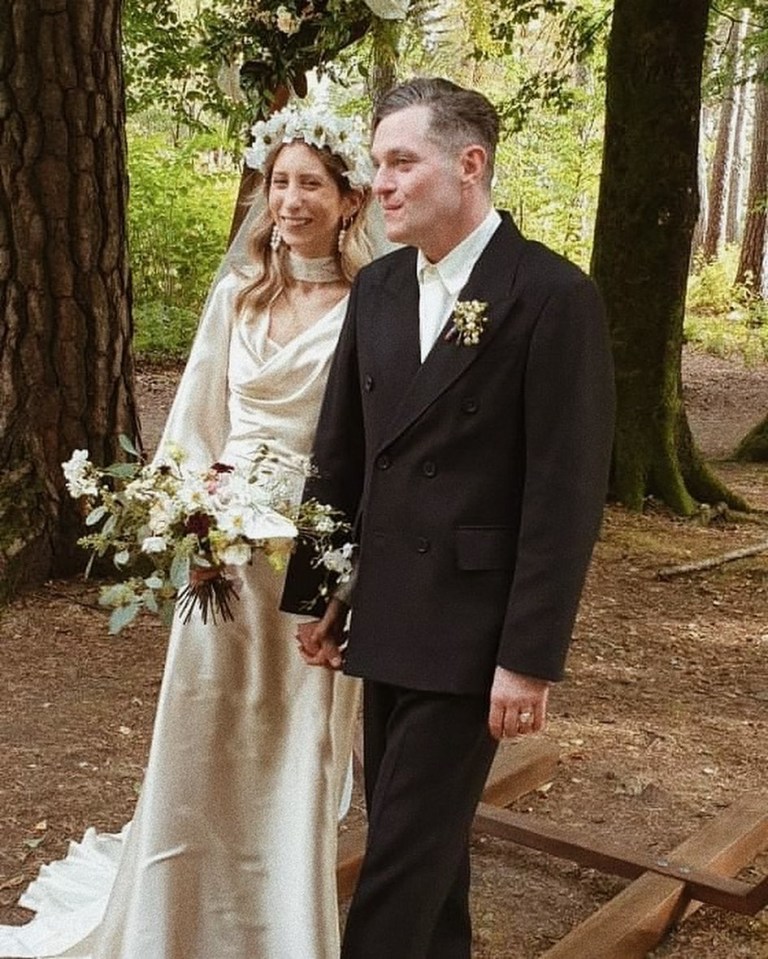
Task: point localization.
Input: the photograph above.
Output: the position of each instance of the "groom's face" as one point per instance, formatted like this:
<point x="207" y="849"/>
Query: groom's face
<point x="417" y="183"/>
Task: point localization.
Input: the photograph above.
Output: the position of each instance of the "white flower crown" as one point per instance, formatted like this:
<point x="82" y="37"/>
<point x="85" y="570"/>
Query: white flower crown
<point x="343" y="136"/>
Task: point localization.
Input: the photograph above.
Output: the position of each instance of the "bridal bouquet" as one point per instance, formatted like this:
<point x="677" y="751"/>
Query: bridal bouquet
<point x="182" y="533"/>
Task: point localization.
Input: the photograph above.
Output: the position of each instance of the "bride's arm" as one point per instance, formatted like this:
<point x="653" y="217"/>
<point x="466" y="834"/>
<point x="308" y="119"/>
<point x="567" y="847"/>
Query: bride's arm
<point x="198" y="420"/>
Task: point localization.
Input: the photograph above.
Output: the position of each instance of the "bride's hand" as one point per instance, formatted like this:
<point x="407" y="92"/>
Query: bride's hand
<point x="202" y="574"/>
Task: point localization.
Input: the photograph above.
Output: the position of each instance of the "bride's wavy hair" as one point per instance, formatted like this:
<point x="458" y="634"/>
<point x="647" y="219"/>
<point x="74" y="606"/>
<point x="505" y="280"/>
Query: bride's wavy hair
<point x="271" y="266"/>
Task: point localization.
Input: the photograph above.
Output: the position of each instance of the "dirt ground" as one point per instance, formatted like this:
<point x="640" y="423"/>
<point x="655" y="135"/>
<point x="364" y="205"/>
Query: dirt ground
<point x="661" y="724"/>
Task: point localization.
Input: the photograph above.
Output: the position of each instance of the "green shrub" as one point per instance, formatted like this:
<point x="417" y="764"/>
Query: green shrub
<point x="723" y="318"/>
<point x="179" y="216"/>
<point x="163" y="333"/>
<point x="710" y="288"/>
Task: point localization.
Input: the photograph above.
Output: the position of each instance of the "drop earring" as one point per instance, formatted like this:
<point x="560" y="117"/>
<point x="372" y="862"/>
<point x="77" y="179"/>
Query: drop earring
<point x="343" y="233"/>
<point x="276" y="239"/>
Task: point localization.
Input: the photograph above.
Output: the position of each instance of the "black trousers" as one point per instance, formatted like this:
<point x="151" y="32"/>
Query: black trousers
<point x="427" y="756"/>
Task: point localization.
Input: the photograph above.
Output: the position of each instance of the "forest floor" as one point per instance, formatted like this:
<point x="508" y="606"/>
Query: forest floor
<point x="662" y="723"/>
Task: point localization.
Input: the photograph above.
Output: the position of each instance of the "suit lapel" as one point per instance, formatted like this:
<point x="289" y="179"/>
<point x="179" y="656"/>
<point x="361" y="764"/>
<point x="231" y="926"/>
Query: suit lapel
<point x="392" y="322"/>
<point x="491" y="282"/>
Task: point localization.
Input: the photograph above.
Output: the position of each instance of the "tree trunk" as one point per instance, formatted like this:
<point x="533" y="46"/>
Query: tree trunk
<point x="733" y="224"/>
<point x="722" y="160"/>
<point x="383" y="74"/>
<point x="719" y="179"/>
<point x="66" y="368"/>
<point x="754" y="447"/>
<point x="700" y="227"/>
<point x="647" y="209"/>
<point x="751" y="272"/>
<point x="708" y="121"/>
<point x="738" y="160"/>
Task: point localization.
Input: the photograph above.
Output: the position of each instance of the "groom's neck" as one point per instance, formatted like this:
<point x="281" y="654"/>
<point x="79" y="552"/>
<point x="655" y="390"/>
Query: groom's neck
<point x="467" y="222"/>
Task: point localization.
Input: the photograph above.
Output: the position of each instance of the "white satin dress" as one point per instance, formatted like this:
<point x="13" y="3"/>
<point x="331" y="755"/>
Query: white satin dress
<point x="231" y="853"/>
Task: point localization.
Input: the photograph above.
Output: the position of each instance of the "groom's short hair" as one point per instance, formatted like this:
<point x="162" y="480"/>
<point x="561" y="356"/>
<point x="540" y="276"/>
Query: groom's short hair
<point x="458" y="116"/>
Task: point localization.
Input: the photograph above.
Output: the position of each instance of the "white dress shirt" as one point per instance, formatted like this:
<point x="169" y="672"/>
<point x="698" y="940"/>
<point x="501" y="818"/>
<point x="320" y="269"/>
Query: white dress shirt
<point x="440" y="283"/>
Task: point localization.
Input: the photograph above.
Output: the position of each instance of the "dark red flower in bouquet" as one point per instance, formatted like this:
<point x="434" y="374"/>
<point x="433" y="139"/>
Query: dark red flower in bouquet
<point x="199" y="524"/>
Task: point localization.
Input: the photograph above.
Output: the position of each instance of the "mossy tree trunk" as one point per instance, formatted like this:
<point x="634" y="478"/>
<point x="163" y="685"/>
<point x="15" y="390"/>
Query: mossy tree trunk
<point x="647" y="210"/>
<point x="754" y="447"/>
<point x="66" y="370"/>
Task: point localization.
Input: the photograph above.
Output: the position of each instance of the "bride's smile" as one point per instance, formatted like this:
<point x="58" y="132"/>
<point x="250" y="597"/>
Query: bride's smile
<point x="305" y="201"/>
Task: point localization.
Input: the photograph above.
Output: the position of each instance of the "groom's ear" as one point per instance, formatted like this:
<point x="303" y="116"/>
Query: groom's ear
<point x="474" y="160"/>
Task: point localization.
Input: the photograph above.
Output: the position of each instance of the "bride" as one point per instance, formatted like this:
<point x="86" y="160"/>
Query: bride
<point x="231" y="853"/>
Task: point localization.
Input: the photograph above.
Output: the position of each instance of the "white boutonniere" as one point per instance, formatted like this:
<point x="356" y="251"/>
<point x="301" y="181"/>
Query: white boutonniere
<point x="468" y="321"/>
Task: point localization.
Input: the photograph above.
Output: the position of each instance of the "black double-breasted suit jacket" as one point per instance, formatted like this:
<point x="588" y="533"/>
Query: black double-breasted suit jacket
<point x="476" y="479"/>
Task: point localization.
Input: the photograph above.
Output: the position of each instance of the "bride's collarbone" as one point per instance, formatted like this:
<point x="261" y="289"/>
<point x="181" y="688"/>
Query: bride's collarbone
<point x="295" y="310"/>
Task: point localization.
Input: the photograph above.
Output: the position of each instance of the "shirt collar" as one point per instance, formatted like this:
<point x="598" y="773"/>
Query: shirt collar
<point x="455" y="267"/>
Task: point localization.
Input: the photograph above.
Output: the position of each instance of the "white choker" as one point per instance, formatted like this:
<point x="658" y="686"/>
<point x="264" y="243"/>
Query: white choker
<point x="320" y="269"/>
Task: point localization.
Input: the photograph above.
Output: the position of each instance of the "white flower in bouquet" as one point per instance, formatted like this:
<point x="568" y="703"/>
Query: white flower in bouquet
<point x="80" y="475"/>
<point x="286" y="22"/>
<point x="339" y="561"/>
<point x="163" y="513"/>
<point x="177" y="530"/>
<point x="232" y="554"/>
<point x="154" y="544"/>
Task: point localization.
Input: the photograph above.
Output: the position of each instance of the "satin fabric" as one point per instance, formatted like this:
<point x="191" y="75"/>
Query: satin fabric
<point x="232" y="850"/>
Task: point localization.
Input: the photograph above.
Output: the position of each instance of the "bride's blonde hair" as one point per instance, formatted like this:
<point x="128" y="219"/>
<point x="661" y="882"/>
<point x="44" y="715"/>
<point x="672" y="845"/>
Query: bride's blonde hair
<point x="271" y="267"/>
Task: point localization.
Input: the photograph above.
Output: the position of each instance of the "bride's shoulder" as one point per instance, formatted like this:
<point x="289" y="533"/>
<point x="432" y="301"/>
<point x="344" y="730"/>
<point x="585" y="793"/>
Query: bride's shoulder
<point x="226" y="287"/>
<point x="231" y="281"/>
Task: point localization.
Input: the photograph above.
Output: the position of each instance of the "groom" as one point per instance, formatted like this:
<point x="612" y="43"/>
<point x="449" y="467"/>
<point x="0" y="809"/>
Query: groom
<point x="469" y="443"/>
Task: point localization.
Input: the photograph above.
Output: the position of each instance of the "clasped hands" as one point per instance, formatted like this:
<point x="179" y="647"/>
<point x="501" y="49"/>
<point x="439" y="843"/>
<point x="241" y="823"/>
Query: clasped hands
<point x="518" y="703"/>
<point x="321" y="641"/>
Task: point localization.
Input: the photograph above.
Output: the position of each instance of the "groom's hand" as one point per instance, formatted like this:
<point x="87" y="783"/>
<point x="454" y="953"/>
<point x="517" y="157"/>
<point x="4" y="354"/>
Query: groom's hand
<point x="320" y="641"/>
<point x="518" y="704"/>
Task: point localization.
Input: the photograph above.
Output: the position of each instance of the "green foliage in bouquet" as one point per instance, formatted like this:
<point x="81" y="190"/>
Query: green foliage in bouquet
<point x="179" y="535"/>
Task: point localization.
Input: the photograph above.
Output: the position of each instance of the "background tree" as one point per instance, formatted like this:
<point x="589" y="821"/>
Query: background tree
<point x="167" y="76"/>
<point x="751" y="269"/>
<point x="754" y="447"/>
<point x="65" y="341"/>
<point x="725" y="144"/>
<point x="647" y="209"/>
<point x="733" y="217"/>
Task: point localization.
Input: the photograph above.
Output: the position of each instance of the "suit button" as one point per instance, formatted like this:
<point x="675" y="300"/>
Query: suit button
<point x="469" y="405"/>
<point x="368" y="384"/>
<point x="384" y="462"/>
<point x="422" y="545"/>
<point x="429" y="469"/>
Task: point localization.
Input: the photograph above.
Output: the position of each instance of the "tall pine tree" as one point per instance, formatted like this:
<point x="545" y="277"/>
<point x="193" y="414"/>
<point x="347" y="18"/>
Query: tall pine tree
<point x="65" y="357"/>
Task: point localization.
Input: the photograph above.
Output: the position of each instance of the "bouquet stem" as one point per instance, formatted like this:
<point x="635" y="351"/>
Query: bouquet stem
<point x="213" y="596"/>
